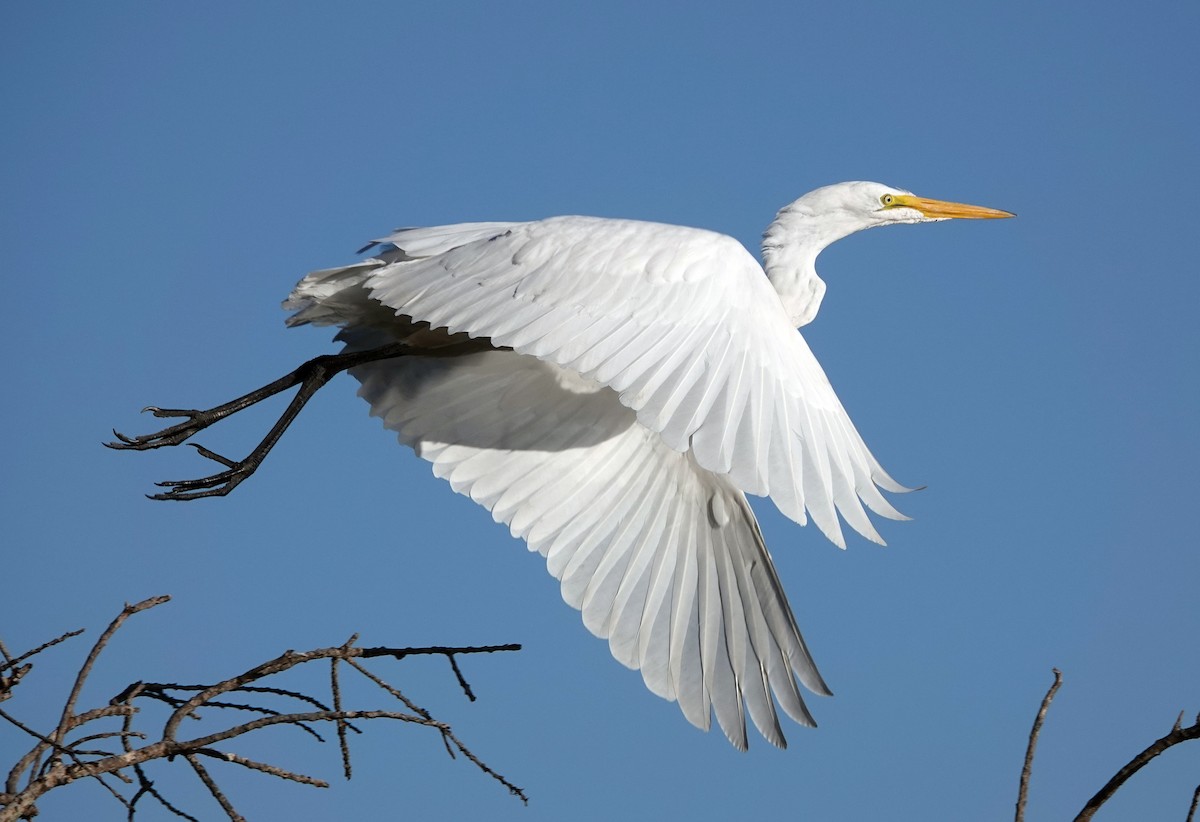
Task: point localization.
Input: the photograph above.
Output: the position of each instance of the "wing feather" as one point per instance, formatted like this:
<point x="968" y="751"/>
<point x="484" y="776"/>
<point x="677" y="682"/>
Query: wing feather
<point x="663" y="557"/>
<point x="719" y="680"/>
<point x="654" y="629"/>
<point x="681" y="322"/>
<point x="662" y="381"/>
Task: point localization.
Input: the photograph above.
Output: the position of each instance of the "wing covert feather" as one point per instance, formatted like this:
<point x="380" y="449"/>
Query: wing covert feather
<point x="681" y="322"/>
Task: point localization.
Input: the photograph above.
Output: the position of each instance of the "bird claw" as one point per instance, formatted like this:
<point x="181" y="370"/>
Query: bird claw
<point x="172" y="412"/>
<point x="195" y="422"/>
<point x="310" y="376"/>
<point x="214" y="456"/>
<point x="217" y="485"/>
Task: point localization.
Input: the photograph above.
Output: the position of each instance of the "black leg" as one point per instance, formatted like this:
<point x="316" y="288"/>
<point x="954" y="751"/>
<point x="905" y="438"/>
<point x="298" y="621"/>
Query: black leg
<point x="310" y="376"/>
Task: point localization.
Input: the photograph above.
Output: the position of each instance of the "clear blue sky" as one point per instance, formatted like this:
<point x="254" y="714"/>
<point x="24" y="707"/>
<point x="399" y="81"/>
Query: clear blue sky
<point x="169" y="171"/>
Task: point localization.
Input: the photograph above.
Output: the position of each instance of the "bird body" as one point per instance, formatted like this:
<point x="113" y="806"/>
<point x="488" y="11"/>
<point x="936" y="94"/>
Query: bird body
<point x="611" y="390"/>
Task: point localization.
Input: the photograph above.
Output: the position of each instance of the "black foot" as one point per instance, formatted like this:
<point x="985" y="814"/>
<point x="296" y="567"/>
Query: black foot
<point x="310" y="376"/>
<point x="196" y="422"/>
<point x="217" y="485"/>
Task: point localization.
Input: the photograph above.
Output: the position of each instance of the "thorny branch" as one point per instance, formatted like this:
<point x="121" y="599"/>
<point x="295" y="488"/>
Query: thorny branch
<point x="63" y="755"/>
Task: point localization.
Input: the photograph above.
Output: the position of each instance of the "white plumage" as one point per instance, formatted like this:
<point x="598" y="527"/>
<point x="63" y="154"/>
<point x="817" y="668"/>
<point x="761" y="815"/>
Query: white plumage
<point x="630" y="382"/>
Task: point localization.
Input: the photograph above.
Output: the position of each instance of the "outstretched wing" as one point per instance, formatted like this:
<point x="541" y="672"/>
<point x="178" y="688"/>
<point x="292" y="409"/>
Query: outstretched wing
<point x="681" y="322"/>
<point x="663" y="558"/>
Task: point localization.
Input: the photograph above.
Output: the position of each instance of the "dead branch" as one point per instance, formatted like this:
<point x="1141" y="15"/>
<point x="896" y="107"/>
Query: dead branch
<point x="1027" y="770"/>
<point x="60" y="757"/>
<point x="1177" y="735"/>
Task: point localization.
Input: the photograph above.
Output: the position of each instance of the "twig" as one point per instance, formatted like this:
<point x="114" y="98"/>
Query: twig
<point x="64" y="723"/>
<point x="15" y="661"/>
<point x="54" y="761"/>
<point x="400" y="653"/>
<point x="107" y="735"/>
<point x="11" y="669"/>
<point x="30" y="759"/>
<point x="146" y="788"/>
<point x="1195" y="802"/>
<point x="12" y="785"/>
<point x="446" y="651"/>
<point x="336" y="691"/>
<point x="224" y="802"/>
<point x="263" y="767"/>
<point x="395" y="692"/>
<point x="1027" y="770"/>
<point x="447" y="734"/>
<point x="1177" y="735"/>
<point x="462" y="680"/>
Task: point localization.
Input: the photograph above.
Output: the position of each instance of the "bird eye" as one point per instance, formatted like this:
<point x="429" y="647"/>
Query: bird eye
<point x="887" y="200"/>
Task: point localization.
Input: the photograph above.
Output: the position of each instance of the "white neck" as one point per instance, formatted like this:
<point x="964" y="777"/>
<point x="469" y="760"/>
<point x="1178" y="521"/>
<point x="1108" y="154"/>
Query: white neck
<point x="790" y="247"/>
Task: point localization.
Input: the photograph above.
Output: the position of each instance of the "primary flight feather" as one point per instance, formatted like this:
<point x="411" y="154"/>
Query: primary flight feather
<point x="611" y="390"/>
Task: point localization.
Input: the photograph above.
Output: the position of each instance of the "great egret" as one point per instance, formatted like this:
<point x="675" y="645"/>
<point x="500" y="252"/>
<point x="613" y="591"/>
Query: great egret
<point x="611" y="390"/>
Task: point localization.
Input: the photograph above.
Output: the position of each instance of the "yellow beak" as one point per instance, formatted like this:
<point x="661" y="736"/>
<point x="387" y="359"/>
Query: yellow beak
<point x="940" y="209"/>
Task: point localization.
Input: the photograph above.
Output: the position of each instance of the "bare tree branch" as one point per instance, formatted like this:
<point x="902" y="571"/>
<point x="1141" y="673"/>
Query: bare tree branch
<point x="128" y="611"/>
<point x="335" y="688"/>
<point x="1177" y="735"/>
<point x="1027" y="770"/>
<point x="56" y="760"/>
<point x="146" y="788"/>
<point x="10" y="662"/>
<point x="216" y="792"/>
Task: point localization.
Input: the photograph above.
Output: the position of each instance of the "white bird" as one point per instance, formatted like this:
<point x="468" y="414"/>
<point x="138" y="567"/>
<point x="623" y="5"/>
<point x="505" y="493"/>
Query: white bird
<point x="638" y="380"/>
<point x="611" y="390"/>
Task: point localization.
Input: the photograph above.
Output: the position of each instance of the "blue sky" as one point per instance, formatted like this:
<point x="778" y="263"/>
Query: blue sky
<point x="170" y="170"/>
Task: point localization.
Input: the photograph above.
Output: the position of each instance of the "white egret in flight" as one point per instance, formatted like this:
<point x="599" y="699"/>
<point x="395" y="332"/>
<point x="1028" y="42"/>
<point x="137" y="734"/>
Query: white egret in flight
<point x="611" y="390"/>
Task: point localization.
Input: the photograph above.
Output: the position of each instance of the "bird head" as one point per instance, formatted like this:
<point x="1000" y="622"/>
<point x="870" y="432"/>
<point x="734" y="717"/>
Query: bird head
<point x="803" y="228"/>
<point x="858" y="205"/>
